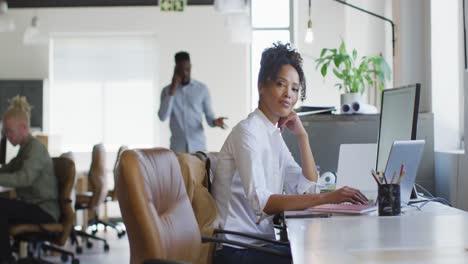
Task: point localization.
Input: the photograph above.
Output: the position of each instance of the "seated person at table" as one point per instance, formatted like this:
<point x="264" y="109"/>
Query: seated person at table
<point x="255" y="167"/>
<point x="30" y="173"/>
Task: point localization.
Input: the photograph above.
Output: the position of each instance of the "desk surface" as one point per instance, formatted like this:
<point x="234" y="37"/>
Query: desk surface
<point x="437" y="234"/>
<point x="5" y="189"/>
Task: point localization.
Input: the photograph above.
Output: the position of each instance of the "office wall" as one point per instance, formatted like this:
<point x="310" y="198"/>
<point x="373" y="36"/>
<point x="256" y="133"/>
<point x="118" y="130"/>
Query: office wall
<point x="413" y="56"/>
<point x="328" y="26"/>
<point x="199" y="30"/>
<point x="332" y="22"/>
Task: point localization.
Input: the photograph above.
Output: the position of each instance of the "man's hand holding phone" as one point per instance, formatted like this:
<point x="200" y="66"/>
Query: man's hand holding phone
<point x="176" y="80"/>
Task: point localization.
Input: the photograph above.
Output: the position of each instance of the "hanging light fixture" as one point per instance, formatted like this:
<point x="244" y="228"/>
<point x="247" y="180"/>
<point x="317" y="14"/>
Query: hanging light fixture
<point x="6" y="22"/>
<point x="309" y="36"/>
<point x="32" y="34"/>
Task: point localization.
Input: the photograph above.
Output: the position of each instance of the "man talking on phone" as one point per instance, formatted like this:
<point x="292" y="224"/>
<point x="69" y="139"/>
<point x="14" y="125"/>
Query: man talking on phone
<point x="185" y="101"/>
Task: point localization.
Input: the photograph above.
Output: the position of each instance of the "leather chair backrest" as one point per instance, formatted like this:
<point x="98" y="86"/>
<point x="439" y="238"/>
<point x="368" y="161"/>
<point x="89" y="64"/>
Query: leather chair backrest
<point x="194" y="171"/>
<point x="97" y="182"/>
<point x="155" y="207"/>
<point x="64" y="170"/>
<point x="68" y="155"/>
<point x="113" y="193"/>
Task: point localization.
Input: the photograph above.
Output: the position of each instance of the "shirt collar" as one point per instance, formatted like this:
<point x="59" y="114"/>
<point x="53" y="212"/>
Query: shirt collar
<point x="271" y="128"/>
<point x="27" y="141"/>
<point x="188" y="84"/>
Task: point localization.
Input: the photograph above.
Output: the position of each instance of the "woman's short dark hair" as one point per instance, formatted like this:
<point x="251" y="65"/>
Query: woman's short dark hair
<point x="274" y="58"/>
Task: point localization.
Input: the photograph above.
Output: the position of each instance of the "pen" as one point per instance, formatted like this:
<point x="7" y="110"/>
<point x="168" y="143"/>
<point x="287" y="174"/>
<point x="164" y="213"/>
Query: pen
<point x="384" y="178"/>
<point x="393" y="177"/>
<point x="402" y="167"/>
<point x="401" y="175"/>
<point x="375" y="177"/>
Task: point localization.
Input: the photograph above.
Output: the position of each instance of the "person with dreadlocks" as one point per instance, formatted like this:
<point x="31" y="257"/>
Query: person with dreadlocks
<point x="30" y="173"/>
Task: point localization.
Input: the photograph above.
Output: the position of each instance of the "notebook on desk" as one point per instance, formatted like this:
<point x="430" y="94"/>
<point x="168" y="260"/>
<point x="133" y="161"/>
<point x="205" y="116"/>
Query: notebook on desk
<point x="309" y="110"/>
<point x="344" y="208"/>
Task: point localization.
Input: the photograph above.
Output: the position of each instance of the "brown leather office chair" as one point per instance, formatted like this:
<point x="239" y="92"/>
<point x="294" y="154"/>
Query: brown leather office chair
<point x="195" y="170"/>
<point x="55" y="233"/>
<point x="157" y="210"/>
<point x="91" y="200"/>
<point x="155" y="207"/>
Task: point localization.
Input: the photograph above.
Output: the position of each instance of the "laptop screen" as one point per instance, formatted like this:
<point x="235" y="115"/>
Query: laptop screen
<point x="409" y="154"/>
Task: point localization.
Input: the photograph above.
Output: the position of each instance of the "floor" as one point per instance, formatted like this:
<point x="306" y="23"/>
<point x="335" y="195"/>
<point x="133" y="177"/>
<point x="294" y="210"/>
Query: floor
<point x="119" y="251"/>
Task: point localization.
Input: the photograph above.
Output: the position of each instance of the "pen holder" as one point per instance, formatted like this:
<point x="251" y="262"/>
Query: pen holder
<point x="389" y="199"/>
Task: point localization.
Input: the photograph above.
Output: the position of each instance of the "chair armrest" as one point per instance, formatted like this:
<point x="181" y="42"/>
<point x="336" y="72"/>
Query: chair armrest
<point x="222" y="231"/>
<point x="240" y="244"/>
<point x="163" y="261"/>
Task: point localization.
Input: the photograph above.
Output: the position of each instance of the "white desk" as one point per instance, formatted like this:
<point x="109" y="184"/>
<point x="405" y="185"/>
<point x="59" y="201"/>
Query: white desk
<point x="437" y="234"/>
<point x="5" y="189"/>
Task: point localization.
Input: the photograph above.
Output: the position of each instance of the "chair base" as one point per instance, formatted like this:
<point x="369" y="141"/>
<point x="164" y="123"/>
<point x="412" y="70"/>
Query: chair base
<point x="87" y="236"/>
<point x="34" y="253"/>
<point x="95" y="222"/>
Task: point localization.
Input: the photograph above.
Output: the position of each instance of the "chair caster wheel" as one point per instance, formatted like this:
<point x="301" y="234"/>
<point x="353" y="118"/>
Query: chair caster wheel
<point x="64" y="258"/>
<point x="79" y="250"/>
<point x="75" y="261"/>
<point x="121" y="234"/>
<point x="89" y="244"/>
<point x="106" y="247"/>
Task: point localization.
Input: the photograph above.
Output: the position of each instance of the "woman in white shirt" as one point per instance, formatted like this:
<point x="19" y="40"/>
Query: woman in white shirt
<point x="255" y="167"/>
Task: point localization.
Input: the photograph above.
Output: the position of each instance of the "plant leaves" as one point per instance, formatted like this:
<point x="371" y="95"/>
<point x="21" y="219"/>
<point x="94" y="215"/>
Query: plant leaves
<point x="324" y="68"/>
<point x="371" y="70"/>
<point x="338" y="74"/>
<point x="323" y="52"/>
<point x="342" y="48"/>
<point x="337" y="60"/>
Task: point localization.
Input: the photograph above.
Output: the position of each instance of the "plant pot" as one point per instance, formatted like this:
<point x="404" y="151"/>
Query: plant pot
<point x="349" y="98"/>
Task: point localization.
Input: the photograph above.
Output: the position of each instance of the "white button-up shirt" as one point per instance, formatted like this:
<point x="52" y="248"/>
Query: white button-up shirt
<point x="253" y="164"/>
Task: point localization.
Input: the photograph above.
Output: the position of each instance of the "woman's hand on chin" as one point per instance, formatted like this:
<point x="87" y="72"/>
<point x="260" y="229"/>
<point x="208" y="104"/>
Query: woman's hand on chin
<point x="293" y="123"/>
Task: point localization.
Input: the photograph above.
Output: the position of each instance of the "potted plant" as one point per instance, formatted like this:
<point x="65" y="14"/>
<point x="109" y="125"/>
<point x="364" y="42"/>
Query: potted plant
<point x="355" y="73"/>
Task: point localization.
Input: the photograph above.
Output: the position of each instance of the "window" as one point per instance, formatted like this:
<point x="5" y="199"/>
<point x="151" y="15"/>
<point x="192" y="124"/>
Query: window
<point x="271" y="22"/>
<point x="447" y="60"/>
<point x="102" y="90"/>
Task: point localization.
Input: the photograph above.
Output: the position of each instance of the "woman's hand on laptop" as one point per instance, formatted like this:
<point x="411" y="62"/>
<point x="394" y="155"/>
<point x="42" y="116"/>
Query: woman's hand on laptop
<point x="345" y="194"/>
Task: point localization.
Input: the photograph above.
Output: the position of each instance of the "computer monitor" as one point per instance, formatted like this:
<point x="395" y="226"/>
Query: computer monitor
<point x="398" y="119"/>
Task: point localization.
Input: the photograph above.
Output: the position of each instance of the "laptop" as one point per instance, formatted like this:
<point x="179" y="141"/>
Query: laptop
<point x="408" y="152"/>
<point x="355" y="162"/>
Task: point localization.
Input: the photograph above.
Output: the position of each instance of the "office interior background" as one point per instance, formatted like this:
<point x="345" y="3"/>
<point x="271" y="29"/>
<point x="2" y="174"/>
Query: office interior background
<point x="104" y="67"/>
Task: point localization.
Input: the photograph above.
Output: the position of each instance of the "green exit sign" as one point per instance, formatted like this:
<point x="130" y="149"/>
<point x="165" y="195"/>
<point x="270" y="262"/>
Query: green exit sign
<point x="172" y="5"/>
